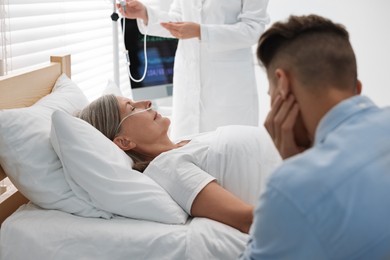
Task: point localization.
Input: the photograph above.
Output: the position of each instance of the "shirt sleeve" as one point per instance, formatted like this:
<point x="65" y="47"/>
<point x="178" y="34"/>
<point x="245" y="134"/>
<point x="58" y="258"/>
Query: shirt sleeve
<point x="280" y="231"/>
<point x="243" y="34"/>
<point x="180" y="177"/>
<point x="155" y="17"/>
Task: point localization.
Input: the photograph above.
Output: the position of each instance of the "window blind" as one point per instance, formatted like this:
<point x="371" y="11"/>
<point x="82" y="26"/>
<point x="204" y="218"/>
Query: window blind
<point x="32" y="30"/>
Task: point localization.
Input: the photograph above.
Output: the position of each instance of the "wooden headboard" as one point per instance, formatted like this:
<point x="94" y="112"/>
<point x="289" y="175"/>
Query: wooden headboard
<point x="23" y="90"/>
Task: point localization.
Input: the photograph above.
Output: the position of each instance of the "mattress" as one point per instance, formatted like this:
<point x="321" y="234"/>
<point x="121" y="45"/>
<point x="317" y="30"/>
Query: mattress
<point x="34" y="233"/>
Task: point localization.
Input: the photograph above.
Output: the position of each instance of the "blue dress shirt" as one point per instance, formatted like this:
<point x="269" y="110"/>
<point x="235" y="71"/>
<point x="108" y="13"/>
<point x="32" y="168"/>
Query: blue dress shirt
<point x="333" y="200"/>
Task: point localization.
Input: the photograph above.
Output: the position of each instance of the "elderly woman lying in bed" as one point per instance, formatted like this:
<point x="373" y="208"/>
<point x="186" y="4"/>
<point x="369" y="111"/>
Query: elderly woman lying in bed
<point x="217" y="175"/>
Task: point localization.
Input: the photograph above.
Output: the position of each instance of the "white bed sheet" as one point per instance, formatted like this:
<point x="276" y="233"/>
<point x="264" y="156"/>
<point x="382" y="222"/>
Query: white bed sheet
<point x="34" y="233"/>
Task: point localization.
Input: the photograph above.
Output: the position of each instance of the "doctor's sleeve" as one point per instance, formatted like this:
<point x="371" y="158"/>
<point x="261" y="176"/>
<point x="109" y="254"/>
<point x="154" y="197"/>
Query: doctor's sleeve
<point x="243" y="34"/>
<point x="156" y="16"/>
<point x="280" y="231"/>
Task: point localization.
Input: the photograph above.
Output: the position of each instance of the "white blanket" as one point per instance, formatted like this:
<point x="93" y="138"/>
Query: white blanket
<point x="242" y="158"/>
<point x="33" y="233"/>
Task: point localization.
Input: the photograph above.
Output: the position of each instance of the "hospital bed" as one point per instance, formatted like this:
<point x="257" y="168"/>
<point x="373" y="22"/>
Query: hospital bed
<point x="29" y="231"/>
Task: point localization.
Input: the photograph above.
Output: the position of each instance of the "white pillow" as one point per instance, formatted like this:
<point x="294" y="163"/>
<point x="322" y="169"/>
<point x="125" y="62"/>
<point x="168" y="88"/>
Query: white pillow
<point x="28" y="157"/>
<point x="112" y="88"/>
<point x="100" y="173"/>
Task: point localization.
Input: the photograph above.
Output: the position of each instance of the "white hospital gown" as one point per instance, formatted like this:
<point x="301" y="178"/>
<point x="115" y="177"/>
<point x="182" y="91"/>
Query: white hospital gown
<point x="239" y="158"/>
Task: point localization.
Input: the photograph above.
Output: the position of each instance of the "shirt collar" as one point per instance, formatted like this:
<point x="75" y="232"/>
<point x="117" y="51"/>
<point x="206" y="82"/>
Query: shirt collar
<point x="339" y="114"/>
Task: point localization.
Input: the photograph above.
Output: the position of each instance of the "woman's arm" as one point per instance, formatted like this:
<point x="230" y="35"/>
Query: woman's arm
<point x="196" y="191"/>
<point x="216" y="203"/>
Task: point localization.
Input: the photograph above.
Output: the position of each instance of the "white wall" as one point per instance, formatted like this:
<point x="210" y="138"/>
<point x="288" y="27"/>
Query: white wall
<point x="368" y="23"/>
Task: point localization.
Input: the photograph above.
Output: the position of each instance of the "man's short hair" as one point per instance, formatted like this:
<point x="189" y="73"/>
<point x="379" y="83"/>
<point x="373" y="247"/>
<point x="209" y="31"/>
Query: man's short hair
<point x="314" y="48"/>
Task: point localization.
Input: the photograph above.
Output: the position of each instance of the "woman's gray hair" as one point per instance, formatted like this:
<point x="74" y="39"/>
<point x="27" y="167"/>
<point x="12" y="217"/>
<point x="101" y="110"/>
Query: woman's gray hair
<point x="104" y="114"/>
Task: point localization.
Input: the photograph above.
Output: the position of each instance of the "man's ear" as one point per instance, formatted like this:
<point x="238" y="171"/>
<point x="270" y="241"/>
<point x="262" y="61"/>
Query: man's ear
<point x="282" y="83"/>
<point x="359" y="87"/>
<point x="124" y="143"/>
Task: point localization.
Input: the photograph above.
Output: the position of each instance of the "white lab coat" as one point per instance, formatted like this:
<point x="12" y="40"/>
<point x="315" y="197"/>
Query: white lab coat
<point x="214" y="81"/>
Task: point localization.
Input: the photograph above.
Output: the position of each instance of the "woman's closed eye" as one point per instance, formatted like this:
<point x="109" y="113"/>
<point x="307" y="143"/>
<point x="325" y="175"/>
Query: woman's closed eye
<point x="132" y="108"/>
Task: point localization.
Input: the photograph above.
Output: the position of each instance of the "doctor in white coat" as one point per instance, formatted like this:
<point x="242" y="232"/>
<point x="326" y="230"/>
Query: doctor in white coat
<point x="214" y="81"/>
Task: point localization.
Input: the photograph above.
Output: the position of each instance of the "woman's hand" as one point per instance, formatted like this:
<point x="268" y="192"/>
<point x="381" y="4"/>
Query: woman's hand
<point x="281" y="123"/>
<point x="134" y="9"/>
<point x="183" y="30"/>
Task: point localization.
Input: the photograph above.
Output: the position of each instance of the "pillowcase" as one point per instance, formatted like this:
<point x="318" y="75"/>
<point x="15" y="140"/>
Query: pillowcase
<point x="28" y="158"/>
<point x="101" y="174"/>
<point x="112" y="88"/>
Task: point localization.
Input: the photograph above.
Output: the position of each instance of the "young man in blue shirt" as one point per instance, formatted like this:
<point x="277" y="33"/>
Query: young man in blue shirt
<point x="330" y="197"/>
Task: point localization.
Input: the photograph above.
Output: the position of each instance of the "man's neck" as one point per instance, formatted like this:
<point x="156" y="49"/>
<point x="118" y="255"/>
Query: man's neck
<point x="314" y="107"/>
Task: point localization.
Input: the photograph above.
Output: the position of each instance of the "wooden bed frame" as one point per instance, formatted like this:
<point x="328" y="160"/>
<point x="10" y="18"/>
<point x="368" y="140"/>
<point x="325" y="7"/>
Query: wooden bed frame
<point x="23" y="90"/>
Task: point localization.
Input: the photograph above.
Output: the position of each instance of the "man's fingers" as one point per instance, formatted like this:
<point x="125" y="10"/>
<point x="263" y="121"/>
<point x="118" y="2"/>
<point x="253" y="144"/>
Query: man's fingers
<point x="269" y="121"/>
<point x="289" y="146"/>
<point x="281" y="116"/>
<point x="288" y="124"/>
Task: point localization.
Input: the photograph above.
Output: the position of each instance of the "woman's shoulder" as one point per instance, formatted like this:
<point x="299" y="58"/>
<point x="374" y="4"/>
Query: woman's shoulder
<point x="193" y="150"/>
<point x="198" y="136"/>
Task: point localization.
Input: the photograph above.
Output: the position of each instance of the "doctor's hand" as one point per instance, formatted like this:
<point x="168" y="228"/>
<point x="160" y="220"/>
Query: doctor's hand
<point x="134" y="9"/>
<point x="183" y="30"/>
<point x="281" y="124"/>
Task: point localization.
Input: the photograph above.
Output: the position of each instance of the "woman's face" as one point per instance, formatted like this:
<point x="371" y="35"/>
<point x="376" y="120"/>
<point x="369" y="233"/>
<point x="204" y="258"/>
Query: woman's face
<point x="142" y="124"/>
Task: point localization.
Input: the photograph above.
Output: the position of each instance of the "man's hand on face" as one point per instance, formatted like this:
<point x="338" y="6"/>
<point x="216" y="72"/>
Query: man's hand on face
<point x="280" y="124"/>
